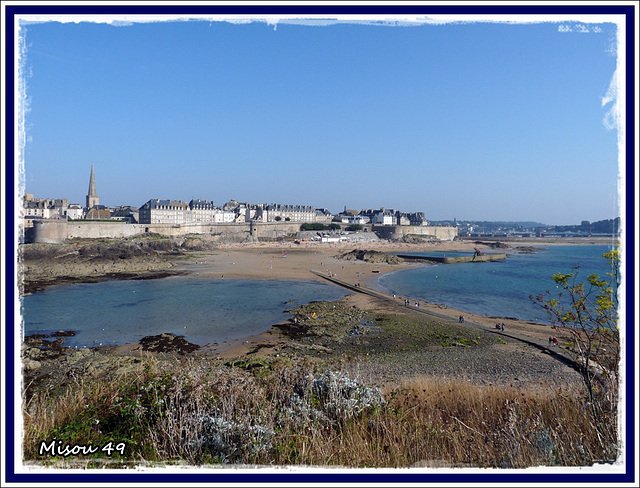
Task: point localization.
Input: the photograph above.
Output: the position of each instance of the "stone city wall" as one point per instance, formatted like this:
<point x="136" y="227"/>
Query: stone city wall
<point x="56" y="231"/>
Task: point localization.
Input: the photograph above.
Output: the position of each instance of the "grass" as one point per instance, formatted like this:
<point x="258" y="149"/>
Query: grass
<point x="296" y="412"/>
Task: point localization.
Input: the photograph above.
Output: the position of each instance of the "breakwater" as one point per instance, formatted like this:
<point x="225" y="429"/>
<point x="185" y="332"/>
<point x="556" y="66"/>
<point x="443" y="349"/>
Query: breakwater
<point x="454" y="259"/>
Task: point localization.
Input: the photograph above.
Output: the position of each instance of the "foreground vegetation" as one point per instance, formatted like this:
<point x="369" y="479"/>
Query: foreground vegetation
<point x="284" y="412"/>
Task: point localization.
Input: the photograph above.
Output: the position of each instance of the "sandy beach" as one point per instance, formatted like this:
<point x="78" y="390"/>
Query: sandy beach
<point x="298" y="261"/>
<point x="289" y="261"/>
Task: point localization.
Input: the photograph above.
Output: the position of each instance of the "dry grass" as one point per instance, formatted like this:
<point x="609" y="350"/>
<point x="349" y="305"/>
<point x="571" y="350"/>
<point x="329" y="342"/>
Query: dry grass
<point x="296" y="413"/>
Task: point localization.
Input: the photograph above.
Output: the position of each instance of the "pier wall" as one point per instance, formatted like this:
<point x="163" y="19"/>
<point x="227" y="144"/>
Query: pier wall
<point x="475" y="259"/>
<point x="483" y="258"/>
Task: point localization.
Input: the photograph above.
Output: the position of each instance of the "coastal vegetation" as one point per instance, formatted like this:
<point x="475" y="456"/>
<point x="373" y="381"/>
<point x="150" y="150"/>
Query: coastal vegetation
<point x="283" y="411"/>
<point x="319" y="226"/>
<point x="588" y="310"/>
<point x="609" y="226"/>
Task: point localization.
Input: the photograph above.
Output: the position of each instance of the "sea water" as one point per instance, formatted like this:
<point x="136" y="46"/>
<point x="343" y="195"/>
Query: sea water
<point x="202" y="310"/>
<point x="497" y="288"/>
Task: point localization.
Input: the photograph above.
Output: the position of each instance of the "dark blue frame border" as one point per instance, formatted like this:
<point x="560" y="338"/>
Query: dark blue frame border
<point x="10" y="12"/>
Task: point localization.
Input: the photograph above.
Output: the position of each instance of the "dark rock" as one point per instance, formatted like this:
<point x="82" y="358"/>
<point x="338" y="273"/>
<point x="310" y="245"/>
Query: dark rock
<point x="371" y="257"/>
<point x="64" y="333"/>
<point x="167" y="342"/>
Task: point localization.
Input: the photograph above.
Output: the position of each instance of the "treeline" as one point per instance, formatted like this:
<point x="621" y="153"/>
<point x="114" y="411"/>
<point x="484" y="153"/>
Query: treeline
<point x="319" y="226"/>
<point x="609" y="226"/>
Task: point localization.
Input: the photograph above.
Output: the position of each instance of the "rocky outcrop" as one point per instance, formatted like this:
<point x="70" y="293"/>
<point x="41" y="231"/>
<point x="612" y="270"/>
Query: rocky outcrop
<point x="91" y="261"/>
<point x="167" y="342"/>
<point x="494" y="245"/>
<point x="375" y="257"/>
<point x="527" y="249"/>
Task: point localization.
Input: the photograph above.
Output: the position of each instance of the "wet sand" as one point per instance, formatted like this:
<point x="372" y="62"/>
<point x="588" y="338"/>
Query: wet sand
<point x="268" y="261"/>
<point x="275" y="261"/>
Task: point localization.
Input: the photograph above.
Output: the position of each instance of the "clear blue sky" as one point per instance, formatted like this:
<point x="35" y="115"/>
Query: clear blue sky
<point x="478" y="121"/>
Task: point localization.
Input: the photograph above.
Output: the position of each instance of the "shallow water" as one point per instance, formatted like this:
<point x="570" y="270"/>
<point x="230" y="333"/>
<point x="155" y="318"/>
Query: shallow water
<point x="202" y="310"/>
<point x="499" y="288"/>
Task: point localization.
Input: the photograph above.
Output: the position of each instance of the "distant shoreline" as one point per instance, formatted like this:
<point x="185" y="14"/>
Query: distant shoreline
<point x="554" y="241"/>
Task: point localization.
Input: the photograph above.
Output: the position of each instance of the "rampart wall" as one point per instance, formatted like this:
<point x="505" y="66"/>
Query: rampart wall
<point x="56" y="231"/>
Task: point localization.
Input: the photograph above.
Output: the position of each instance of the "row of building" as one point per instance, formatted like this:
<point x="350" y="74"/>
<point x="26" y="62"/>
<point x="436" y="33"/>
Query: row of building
<point x="156" y="211"/>
<point x="197" y="211"/>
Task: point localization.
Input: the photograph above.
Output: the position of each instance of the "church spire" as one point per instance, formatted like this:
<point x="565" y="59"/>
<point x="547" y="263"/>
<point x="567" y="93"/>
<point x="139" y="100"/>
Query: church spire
<point x="92" y="196"/>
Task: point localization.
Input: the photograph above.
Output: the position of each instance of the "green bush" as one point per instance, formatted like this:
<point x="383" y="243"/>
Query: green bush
<point x="313" y="226"/>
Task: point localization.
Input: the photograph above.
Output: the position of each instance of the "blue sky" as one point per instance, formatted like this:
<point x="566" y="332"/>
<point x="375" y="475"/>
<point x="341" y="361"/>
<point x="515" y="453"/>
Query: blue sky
<point x="477" y="121"/>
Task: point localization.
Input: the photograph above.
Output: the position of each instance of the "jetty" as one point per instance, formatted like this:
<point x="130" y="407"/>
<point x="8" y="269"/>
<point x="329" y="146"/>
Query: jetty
<point x="476" y="258"/>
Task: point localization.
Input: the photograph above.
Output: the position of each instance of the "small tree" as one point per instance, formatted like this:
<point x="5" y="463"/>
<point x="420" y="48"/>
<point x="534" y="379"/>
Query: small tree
<point x="589" y="312"/>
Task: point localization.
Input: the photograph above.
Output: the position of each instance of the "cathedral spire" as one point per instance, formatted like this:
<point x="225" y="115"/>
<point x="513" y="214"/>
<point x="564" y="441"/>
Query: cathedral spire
<point x="92" y="196"/>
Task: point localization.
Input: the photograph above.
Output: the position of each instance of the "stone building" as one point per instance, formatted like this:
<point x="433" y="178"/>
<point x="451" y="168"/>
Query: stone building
<point x="92" y="196"/>
<point x="125" y="213"/>
<point x="323" y="216"/>
<point x="98" y="212"/>
<point x="417" y="218"/>
<point x="382" y="216"/>
<point x="276" y="212"/>
<point x="157" y="211"/>
<point x="202" y="211"/>
<point x="44" y="208"/>
<point x="75" y="211"/>
<point x="197" y="211"/>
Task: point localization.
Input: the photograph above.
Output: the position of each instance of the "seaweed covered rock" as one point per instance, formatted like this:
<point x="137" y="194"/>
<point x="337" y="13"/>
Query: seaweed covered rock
<point x="167" y="343"/>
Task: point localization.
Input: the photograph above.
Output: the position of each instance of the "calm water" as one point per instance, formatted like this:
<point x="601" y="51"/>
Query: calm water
<point x="202" y="310"/>
<point x="500" y="288"/>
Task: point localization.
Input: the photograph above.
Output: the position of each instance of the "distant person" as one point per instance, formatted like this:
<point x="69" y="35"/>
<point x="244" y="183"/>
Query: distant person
<point x="503" y="327"/>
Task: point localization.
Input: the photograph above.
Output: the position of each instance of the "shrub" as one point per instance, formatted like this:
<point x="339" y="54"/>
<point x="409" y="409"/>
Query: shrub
<point x="313" y="226"/>
<point x="287" y="412"/>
